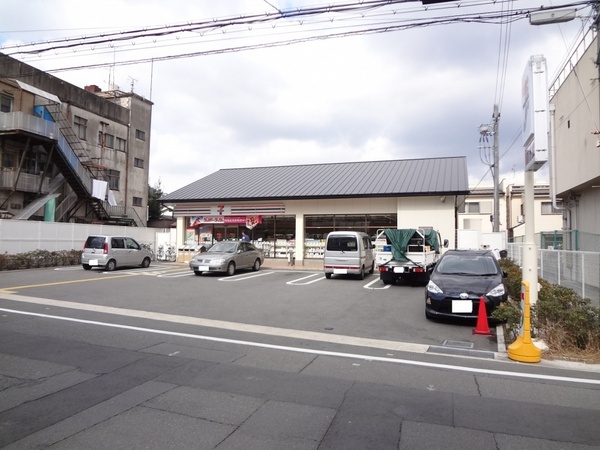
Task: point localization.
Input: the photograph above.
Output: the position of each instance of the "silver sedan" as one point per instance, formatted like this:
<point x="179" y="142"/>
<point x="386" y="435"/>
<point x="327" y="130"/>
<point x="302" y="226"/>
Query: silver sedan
<point x="227" y="257"/>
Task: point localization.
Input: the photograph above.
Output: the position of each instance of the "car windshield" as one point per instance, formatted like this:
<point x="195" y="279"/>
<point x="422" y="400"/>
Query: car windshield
<point x="467" y="265"/>
<point x="223" y="247"/>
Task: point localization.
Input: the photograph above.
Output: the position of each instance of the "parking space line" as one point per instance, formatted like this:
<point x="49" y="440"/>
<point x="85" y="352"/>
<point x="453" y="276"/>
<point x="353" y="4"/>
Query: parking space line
<point x="297" y="282"/>
<point x="368" y="285"/>
<point x="176" y="274"/>
<point x="244" y="276"/>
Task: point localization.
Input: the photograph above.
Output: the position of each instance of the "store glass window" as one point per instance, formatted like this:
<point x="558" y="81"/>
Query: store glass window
<point x="317" y="227"/>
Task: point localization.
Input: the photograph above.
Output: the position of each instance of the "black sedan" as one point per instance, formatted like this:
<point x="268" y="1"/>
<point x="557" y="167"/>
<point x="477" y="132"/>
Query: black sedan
<point x="459" y="281"/>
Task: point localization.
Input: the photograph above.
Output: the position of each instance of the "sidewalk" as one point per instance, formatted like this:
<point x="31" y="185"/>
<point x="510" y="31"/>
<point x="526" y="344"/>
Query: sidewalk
<point x="282" y="263"/>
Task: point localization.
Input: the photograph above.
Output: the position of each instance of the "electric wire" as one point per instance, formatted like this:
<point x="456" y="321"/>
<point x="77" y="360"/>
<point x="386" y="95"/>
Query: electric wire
<point x="493" y="17"/>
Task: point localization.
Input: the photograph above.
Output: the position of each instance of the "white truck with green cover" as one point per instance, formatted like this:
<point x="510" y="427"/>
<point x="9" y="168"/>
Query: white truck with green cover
<point x="409" y="254"/>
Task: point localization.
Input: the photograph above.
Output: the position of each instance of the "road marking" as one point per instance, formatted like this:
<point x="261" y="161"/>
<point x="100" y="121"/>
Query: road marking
<point x="358" y="356"/>
<point x="57" y="283"/>
<point x="234" y="326"/>
<point x="368" y="285"/>
<point x="178" y="274"/>
<point x="298" y="281"/>
<point x="244" y="276"/>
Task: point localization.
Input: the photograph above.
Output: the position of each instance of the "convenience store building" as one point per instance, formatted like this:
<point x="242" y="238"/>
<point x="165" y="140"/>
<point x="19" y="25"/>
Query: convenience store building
<point x="291" y="209"/>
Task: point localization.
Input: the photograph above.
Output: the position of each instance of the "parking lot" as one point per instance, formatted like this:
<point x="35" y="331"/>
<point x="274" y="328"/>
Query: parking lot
<point x="162" y="358"/>
<point x="272" y="305"/>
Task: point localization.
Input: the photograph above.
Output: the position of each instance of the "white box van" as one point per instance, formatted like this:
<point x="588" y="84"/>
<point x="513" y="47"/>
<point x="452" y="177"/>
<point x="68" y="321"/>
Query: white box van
<point x="348" y="253"/>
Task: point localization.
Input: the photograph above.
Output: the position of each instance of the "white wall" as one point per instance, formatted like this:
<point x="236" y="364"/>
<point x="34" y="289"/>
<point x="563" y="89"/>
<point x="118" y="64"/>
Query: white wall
<point x="417" y="212"/>
<point x="342" y="206"/>
<point x="20" y="236"/>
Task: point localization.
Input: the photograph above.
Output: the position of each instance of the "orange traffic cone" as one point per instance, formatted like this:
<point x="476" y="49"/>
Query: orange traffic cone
<point x="482" y="321"/>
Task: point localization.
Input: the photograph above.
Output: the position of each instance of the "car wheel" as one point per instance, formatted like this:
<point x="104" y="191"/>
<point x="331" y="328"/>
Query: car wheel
<point x="231" y="268"/>
<point x="111" y="265"/>
<point x="328" y="276"/>
<point x="386" y="282"/>
<point x="256" y="265"/>
<point x="197" y="272"/>
<point x="372" y="269"/>
<point x="87" y="267"/>
<point x="146" y="263"/>
<point x="361" y="275"/>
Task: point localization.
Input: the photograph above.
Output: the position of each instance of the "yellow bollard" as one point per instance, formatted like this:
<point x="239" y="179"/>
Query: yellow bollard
<point x="523" y="349"/>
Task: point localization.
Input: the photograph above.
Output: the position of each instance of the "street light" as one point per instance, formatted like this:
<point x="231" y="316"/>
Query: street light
<point x="530" y="261"/>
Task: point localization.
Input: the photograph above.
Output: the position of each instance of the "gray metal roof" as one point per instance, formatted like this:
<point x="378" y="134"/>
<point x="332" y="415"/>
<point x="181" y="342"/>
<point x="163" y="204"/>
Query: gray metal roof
<point x="395" y="178"/>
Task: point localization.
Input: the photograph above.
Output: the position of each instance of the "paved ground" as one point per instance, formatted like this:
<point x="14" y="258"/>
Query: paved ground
<point x="280" y="263"/>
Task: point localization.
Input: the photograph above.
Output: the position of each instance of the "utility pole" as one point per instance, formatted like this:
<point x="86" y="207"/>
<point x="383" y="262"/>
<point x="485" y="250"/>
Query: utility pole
<point x="496" y="120"/>
<point x="485" y="131"/>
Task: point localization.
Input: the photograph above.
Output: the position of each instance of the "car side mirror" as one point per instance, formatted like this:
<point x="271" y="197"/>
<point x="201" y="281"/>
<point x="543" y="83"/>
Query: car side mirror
<point x="446" y="243"/>
<point x="504" y="274"/>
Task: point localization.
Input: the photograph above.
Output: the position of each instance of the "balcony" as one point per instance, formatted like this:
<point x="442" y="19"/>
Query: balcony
<point x="27" y="122"/>
<point x="26" y="182"/>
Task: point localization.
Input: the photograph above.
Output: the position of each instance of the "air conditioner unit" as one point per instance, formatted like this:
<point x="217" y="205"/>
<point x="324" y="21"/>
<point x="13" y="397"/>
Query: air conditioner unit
<point x="521" y="219"/>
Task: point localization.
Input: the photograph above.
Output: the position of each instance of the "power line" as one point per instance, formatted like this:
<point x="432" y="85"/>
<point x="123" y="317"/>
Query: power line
<point x="396" y="25"/>
<point x="364" y="8"/>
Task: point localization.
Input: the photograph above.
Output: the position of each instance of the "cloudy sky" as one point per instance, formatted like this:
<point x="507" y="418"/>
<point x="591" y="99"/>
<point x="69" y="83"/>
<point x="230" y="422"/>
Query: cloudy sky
<point x="259" y="91"/>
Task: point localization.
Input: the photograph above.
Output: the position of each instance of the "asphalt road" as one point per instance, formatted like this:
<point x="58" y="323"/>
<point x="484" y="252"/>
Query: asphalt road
<point x="275" y="359"/>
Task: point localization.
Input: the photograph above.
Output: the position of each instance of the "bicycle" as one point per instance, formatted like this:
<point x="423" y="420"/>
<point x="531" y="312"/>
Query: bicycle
<point x="149" y="248"/>
<point x="160" y="254"/>
<point x="170" y="254"/>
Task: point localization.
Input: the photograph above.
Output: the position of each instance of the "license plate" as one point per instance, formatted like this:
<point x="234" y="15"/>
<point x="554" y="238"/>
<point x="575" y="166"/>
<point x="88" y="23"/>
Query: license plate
<point x="93" y="262"/>
<point x="398" y="269"/>
<point x="462" y="306"/>
<point x="202" y="268"/>
<point x="340" y="271"/>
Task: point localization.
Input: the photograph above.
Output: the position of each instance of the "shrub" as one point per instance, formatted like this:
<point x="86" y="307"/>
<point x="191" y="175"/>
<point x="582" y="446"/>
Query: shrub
<point x="567" y="323"/>
<point x="39" y="258"/>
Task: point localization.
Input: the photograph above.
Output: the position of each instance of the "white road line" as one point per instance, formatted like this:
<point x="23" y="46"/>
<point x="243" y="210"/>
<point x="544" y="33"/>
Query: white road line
<point x="503" y="373"/>
<point x="368" y="285"/>
<point x="298" y="281"/>
<point x="187" y="273"/>
<point x="244" y="276"/>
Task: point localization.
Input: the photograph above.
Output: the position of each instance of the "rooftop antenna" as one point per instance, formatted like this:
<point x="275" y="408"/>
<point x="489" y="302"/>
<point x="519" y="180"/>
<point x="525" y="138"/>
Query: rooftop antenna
<point x="133" y="80"/>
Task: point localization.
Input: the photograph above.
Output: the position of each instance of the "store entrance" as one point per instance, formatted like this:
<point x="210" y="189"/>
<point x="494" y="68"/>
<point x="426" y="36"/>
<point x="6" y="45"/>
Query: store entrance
<point x="226" y="233"/>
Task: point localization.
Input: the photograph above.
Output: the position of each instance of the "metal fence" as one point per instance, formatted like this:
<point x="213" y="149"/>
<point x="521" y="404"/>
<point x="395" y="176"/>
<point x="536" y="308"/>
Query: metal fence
<point x="564" y="240"/>
<point x="577" y="270"/>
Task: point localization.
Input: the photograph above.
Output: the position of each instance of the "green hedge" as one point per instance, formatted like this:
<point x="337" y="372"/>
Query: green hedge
<point x="568" y="324"/>
<point x="39" y="258"/>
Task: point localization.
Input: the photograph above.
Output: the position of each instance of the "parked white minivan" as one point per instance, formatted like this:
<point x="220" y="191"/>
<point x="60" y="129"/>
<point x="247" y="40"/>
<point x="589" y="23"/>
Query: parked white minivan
<point x="348" y="253"/>
<point x="110" y="252"/>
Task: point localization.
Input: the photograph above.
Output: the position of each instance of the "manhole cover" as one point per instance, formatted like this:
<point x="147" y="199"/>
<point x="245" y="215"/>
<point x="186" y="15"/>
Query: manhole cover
<point x="457" y="344"/>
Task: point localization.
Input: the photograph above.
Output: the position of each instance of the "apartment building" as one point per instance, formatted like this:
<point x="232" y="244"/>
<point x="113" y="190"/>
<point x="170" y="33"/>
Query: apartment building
<point x="476" y="212"/>
<point x="575" y="140"/>
<point x="71" y="154"/>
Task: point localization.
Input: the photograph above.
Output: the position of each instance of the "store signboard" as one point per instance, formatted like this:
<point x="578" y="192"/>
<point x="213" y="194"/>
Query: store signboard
<point x="247" y="221"/>
<point x="535" y="113"/>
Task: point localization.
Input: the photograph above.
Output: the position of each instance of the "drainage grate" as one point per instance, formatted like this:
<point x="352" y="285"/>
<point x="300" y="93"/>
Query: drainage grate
<point x="457" y="344"/>
<point x="461" y="352"/>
